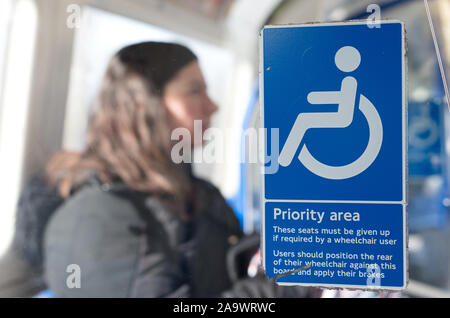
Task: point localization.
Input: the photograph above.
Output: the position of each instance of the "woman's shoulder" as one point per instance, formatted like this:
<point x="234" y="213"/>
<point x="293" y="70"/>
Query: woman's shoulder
<point x="88" y="215"/>
<point x="95" y="203"/>
<point x="93" y="229"/>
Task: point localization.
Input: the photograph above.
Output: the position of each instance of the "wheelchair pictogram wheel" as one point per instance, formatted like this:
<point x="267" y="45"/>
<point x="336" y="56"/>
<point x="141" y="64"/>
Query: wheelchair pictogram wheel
<point x="363" y="162"/>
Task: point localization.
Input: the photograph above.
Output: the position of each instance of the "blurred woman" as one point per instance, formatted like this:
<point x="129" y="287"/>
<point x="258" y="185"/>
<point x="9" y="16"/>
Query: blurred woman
<point x="134" y="223"/>
<point x="121" y="219"/>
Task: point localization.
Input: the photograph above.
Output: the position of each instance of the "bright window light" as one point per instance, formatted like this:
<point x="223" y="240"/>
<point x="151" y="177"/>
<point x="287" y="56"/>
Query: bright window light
<point x="15" y="101"/>
<point x="99" y="36"/>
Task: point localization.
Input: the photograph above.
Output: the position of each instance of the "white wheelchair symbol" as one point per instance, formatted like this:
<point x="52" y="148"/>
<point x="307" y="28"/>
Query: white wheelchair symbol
<point x="347" y="59"/>
<point x="423" y="124"/>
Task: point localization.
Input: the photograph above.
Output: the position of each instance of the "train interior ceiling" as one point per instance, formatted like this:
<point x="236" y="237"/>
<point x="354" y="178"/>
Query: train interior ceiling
<point x="53" y="54"/>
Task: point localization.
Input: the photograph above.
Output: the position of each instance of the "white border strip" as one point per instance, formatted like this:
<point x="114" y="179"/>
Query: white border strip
<point x="263" y="149"/>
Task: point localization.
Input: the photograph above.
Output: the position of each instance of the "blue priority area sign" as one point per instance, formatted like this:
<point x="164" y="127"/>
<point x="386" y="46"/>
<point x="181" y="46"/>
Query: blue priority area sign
<point x="333" y="106"/>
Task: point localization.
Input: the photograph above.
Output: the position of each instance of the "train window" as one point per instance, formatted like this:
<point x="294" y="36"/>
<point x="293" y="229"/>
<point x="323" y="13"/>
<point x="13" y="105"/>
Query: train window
<point x="99" y="36"/>
<point x="252" y="217"/>
<point x="5" y="14"/>
<point x="19" y="43"/>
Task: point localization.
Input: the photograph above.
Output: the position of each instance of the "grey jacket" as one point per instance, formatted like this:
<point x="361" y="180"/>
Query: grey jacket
<point x="127" y="244"/>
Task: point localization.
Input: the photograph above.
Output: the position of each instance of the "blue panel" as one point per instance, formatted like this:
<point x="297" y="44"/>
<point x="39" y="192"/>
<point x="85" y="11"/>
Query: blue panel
<point x="340" y="247"/>
<point x="300" y="60"/>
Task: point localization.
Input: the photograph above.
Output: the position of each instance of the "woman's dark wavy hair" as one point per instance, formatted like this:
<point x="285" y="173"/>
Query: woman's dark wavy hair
<point x="129" y="134"/>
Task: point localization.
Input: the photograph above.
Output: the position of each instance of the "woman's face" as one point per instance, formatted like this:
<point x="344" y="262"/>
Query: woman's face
<point x="186" y="100"/>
